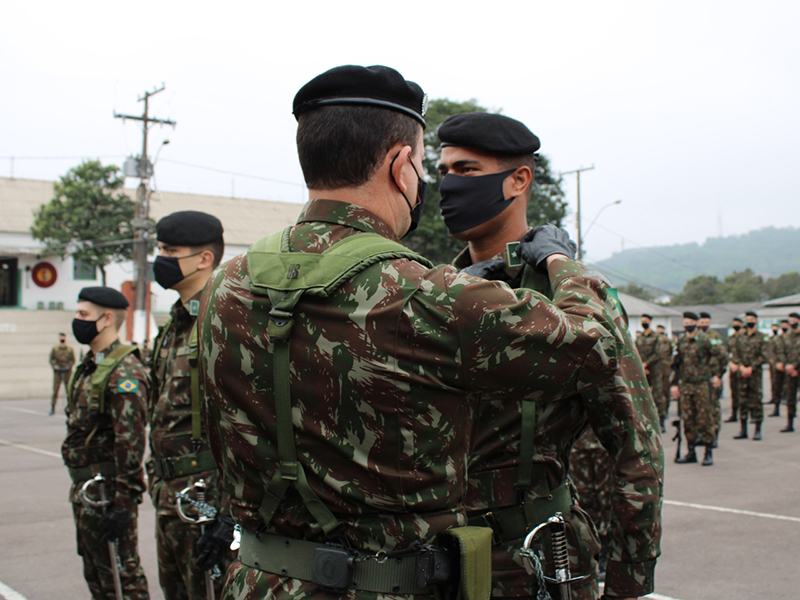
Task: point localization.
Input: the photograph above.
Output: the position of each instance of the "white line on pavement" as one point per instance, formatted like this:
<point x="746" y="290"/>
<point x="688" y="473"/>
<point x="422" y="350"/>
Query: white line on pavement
<point x="39" y="413"/>
<point x="9" y="594"/>
<point x="658" y="597"/>
<point x="735" y="511"/>
<point x="29" y="448"/>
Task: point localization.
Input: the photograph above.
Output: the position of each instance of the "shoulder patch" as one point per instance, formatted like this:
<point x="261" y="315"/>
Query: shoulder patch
<point x="194" y="307"/>
<point x="128" y="386"/>
<point x="715" y="341"/>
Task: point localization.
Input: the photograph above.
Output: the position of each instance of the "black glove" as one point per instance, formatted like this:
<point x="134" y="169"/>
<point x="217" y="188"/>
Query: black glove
<point x="112" y="524"/>
<point x="493" y="269"/>
<point x="215" y="541"/>
<point x="541" y="242"/>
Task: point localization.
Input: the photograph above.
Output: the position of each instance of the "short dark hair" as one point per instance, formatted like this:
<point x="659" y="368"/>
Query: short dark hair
<point x="343" y="146"/>
<point x="62" y="335"/>
<point x="217" y="248"/>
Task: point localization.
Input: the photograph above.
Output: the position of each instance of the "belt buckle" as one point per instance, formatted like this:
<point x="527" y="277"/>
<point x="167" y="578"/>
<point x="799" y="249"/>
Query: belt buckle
<point x="494" y="525"/>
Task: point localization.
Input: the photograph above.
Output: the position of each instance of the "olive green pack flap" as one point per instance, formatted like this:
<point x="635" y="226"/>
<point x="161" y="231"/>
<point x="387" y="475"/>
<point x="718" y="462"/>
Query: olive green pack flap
<point x="272" y="266"/>
<point x="475" y="547"/>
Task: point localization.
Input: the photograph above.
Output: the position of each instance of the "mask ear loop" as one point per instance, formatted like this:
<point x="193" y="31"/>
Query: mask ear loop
<point x="391" y="167"/>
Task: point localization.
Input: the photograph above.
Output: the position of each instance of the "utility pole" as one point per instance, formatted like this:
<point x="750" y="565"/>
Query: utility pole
<point x="143" y="169"/>
<point x="578" y="211"/>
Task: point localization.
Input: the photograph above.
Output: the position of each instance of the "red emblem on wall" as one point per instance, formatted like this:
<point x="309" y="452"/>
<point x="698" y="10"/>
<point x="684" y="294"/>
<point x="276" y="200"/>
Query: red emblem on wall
<point x="44" y="274"/>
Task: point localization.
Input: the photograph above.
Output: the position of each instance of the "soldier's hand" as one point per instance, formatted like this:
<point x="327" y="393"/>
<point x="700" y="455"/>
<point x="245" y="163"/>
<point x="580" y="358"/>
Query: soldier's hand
<point x="733" y="367"/>
<point x="494" y="269"/>
<point x="747" y="372"/>
<point x="716" y="382"/>
<point x="112" y="524"/>
<point x="543" y="241"/>
<point x="215" y="541"/>
<point x="675" y="392"/>
<point x="779" y="366"/>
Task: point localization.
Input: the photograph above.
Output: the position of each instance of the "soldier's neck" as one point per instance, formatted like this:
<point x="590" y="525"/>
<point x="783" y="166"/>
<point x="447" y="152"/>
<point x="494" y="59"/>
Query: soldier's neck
<point x="493" y="242"/>
<point x="190" y="286"/>
<point x="101" y="342"/>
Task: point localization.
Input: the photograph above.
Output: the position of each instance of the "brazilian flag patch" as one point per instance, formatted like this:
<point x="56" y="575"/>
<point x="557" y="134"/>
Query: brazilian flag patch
<point x="128" y="385"/>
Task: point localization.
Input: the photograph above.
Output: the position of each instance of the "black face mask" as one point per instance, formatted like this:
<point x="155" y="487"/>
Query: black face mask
<point x="736" y="327"/>
<point x="469" y="201"/>
<point x="704" y="327"/>
<point x="751" y="325"/>
<point x="645" y="326"/>
<point x="167" y="270"/>
<point x="422" y="189"/>
<point x="85" y="331"/>
<point x="689" y="328"/>
<point x="785" y="329"/>
<point x="794" y="325"/>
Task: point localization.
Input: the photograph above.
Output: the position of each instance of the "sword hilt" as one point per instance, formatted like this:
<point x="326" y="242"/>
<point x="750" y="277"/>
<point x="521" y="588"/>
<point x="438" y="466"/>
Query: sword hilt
<point x="84" y="493"/>
<point x="200" y="503"/>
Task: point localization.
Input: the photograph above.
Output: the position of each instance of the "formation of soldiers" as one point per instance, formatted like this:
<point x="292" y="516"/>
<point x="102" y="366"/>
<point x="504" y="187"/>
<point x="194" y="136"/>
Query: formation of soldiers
<point x="361" y="421"/>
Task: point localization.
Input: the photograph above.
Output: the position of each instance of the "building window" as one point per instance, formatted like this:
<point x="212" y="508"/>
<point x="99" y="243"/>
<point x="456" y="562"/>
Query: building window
<point x="83" y="271"/>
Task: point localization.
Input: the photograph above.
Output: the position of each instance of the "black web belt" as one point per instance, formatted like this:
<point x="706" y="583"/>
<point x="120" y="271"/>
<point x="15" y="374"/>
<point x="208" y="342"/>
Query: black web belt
<point x="182" y="466"/>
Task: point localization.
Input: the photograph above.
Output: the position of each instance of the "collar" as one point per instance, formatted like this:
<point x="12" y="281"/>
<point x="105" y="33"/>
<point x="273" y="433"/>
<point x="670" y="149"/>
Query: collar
<point x="464" y="260"/>
<point x="190" y="308"/>
<point x="336" y="212"/>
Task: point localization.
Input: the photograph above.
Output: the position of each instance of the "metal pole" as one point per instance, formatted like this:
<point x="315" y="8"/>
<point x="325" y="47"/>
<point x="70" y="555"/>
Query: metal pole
<point x="578" y="211"/>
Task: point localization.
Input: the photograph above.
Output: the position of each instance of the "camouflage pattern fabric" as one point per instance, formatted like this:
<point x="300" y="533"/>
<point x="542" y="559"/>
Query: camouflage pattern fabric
<point x="668" y="349"/>
<point x="750" y="350"/>
<point x="700" y="360"/>
<point x="97" y="560"/>
<point x="170" y="415"/>
<point x="592" y="472"/>
<point x="650" y="346"/>
<point x="776" y="377"/>
<point x="386" y="375"/>
<point x="623" y="413"/>
<point x="118" y="439"/>
<point x="61" y="359"/>
<point x="790" y="355"/>
<point x="733" y="378"/>
<point x="716" y="393"/>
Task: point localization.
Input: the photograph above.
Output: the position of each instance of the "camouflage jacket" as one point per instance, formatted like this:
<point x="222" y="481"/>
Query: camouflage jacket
<point x="773" y="348"/>
<point x="120" y="434"/>
<point x="386" y="374"/>
<point x="170" y="408"/>
<point x="789" y="350"/>
<point x="62" y="357"/>
<point x="749" y="349"/>
<point x="698" y="359"/>
<point x="650" y="348"/>
<point x="622" y="413"/>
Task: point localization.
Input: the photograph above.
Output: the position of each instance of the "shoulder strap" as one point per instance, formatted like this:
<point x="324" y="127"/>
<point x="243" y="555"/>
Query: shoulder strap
<point x="162" y="333"/>
<point x="103" y="373"/>
<point x="195" y="389"/>
<point x="285" y="276"/>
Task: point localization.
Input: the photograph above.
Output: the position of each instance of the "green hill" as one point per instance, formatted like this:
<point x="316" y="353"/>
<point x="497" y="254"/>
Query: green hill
<point x="769" y="251"/>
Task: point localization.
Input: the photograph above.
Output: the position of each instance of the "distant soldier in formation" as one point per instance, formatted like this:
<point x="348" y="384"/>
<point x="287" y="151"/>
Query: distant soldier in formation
<point x="777" y="368"/>
<point x="106" y="421"/>
<point x="737" y="325"/>
<point x="790" y="360"/>
<point x="668" y="347"/>
<point x="748" y="353"/>
<point x="651" y="350"/>
<point x="190" y="245"/>
<point x="699" y="366"/>
<point x="704" y="325"/>
<point x="62" y="358"/>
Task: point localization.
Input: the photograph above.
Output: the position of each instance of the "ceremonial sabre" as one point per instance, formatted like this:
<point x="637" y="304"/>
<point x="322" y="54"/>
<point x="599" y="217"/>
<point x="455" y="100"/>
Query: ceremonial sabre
<point x="206" y="513"/>
<point x="116" y="567"/>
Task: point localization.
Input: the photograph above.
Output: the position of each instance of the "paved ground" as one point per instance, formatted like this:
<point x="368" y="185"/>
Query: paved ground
<point x="730" y="531"/>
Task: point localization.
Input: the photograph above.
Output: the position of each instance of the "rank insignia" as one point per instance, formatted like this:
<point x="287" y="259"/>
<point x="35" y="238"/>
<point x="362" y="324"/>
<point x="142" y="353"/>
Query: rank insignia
<point x="194" y="307"/>
<point x="128" y="385"/>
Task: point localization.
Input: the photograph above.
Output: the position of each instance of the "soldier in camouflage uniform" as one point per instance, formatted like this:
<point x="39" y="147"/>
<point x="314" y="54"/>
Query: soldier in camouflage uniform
<point x="777" y="371"/>
<point x="487" y="158"/>
<point x="62" y="358"/>
<point x="373" y="379"/>
<point x="790" y="361"/>
<point x="748" y="353"/>
<point x="667" y="348"/>
<point x="698" y="367"/>
<point x="651" y="348"/>
<point x="737" y="325"/>
<point x="704" y="325"/>
<point x="190" y="245"/>
<point x="107" y="437"/>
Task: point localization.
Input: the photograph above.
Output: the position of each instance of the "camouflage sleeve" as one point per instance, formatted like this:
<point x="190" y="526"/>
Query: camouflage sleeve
<point x="623" y="415"/>
<point x="718" y="363"/>
<point x="675" y="378"/>
<point x="71" y="358"/>
<point x="521" y="343"/>
<point x="53" y="362"/>
<point x="126" y="398"/>
<point x="733" y="349"/>
<point x="763" y="352"/>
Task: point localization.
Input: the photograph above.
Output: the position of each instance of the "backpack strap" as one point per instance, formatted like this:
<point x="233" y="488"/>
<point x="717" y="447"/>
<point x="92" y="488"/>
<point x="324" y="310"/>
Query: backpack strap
<point x="195" y="390"/>
<point x="285" y="276"/>
<point x="103" y="373"/>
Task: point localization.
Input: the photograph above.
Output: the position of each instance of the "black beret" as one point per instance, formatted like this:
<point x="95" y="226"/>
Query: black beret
<point x="189" y="228"/>
<point x="103" y="296"/>
<point x="705" y="315"/>
<point x="371" y="86"/>
<point x="795" y="315"/>
<point x="787" y="320"/>
<point x="497" y="134"/>
<point x="737" y="319"/>
<point x="648" y="316"/>
<point x="690" y="315"/>
<point x="751" y="313"/>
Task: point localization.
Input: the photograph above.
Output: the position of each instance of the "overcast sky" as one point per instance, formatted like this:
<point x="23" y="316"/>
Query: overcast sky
<point x="687" y="110"/>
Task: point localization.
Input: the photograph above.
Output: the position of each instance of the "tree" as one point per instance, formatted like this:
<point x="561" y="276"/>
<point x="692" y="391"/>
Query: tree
<point x="743" y="286"/>
<point x="703" y="289"/>
<point x="637" y="291"/>
<point x="89" y="217"/>
<point x="787" y="284"/>
<point x="431" y="239"/>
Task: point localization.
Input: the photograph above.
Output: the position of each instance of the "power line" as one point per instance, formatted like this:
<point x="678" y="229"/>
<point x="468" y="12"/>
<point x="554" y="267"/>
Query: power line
<point x="183" y="164"/>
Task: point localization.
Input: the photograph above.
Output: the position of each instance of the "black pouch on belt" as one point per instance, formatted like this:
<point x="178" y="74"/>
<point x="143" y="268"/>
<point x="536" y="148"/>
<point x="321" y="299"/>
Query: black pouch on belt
<point x="332" y="568"/>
